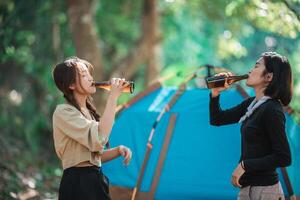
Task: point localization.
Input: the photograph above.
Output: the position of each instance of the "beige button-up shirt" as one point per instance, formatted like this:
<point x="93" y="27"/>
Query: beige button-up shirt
<point x="76" y="138"/>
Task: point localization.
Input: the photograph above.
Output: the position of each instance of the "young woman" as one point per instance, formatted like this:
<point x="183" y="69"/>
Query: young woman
<point x="264" y="142"/>
<point x="80" y="135"/>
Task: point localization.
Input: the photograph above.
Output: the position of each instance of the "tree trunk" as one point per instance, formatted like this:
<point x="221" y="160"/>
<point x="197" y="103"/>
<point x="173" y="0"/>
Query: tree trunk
<point x="151" y="27"/>
<point x="87" y="42"/>
<point x="85" y="36"/>
<point x="56" y="40"/>
<point x="153" y="66"/>
<point x="144" y="50"/>
<point x="86" y="39"/>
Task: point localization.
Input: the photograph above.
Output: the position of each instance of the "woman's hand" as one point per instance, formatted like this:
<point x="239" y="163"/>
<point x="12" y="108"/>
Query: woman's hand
<point x="126" y="153"/>
<point x="236" y="175"/>
<point x="216" y="91"/>
<point x="117" y="85"/>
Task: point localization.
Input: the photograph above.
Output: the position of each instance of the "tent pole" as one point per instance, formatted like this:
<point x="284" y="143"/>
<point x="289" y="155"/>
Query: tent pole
<point x="288" y="183"/>
<point x="163" y="155"/>
<point x="173" y="100"/>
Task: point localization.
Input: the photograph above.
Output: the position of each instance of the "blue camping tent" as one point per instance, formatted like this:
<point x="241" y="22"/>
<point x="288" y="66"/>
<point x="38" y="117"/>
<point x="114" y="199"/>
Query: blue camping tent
<point x="200" y="158"/>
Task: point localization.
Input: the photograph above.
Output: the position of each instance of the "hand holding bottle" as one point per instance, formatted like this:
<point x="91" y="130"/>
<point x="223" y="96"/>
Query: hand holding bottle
<point x="106" y="85"/>
<point x="117" y="86"/>
<point x="217" y="90"/>
<point x="107" y="119"/>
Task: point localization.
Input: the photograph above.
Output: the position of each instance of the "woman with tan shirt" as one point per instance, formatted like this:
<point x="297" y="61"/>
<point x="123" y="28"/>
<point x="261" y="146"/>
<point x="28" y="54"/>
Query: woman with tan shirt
<point x="79" y="134"/>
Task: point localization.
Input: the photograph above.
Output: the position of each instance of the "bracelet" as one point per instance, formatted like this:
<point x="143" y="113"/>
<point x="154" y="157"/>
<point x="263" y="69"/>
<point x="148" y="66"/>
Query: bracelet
<point x="119" y="150"/>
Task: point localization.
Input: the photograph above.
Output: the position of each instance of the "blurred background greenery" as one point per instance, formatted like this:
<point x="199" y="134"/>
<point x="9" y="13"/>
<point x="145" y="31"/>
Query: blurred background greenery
<point x="140" y="40"/>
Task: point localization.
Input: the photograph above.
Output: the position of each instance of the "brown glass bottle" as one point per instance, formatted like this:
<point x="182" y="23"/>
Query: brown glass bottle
<point x="219" y="81"/>
<point x="106" y="85"/>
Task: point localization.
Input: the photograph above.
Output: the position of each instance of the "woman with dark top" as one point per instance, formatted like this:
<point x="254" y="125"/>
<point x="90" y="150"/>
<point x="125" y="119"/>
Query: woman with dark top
<point x="264" y="145"/>
<point x="80" y="135"/>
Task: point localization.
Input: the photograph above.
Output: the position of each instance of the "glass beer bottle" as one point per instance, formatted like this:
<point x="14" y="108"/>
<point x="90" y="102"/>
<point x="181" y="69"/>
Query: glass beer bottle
<point x="106" y="85"/>
<point x="219" y="81"/>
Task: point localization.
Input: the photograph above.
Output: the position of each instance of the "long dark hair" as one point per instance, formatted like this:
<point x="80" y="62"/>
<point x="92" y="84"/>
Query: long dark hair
<point x="281" y="85"/>
<point x="64" y="74"/>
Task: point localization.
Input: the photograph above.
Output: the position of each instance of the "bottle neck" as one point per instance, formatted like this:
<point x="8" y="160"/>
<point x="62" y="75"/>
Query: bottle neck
<point x="239" y="77"/>
<point x="101" y="83"/>
<point x="107" y="86"/>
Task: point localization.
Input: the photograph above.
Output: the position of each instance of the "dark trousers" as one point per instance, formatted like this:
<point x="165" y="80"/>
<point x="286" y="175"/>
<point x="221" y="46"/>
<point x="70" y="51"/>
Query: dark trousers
<point x="84" y="183"/>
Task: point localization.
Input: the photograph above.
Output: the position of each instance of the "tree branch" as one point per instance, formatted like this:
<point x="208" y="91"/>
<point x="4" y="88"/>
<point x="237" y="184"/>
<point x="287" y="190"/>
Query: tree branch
<point x="85" y="36"/>
<point x="141" y="52"/>
<point x="292" y="9"/>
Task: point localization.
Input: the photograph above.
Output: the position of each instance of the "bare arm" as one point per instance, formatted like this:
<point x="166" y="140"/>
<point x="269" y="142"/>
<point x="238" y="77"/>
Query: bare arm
<point x="110" y="154"/>
<point x="113" y="153"/>
<point x="108" y="117"/>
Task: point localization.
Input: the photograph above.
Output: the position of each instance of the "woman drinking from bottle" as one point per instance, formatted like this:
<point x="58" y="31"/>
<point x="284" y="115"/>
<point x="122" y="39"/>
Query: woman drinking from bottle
<point x="264" y="145"/>
<point x="80" y="135"/>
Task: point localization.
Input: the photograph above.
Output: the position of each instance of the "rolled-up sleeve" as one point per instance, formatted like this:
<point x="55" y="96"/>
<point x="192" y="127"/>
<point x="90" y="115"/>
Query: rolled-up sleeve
<point x="74" y="125"/>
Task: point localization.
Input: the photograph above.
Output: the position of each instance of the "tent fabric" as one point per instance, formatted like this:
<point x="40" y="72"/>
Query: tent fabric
<point x="200" y="158"/>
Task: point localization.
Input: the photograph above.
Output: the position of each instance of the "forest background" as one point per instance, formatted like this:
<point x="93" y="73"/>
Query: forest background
<point x="140" y="40"/>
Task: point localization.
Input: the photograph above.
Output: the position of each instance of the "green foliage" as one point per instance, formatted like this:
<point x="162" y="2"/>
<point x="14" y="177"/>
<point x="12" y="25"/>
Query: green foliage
<point x="231" y="34"/>
<point x="118" y="25"/>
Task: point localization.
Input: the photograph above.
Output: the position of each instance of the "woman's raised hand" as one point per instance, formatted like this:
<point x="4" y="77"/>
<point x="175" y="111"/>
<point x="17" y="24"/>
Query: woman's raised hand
<point x="117" y="85"/>
<point x="216" y="91"/>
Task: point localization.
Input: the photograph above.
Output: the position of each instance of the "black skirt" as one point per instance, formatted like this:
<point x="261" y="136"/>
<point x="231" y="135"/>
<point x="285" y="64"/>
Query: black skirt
<point x="84" y="183"/>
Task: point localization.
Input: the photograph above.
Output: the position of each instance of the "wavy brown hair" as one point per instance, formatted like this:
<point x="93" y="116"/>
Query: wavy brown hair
<point x="65" y="74"/>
